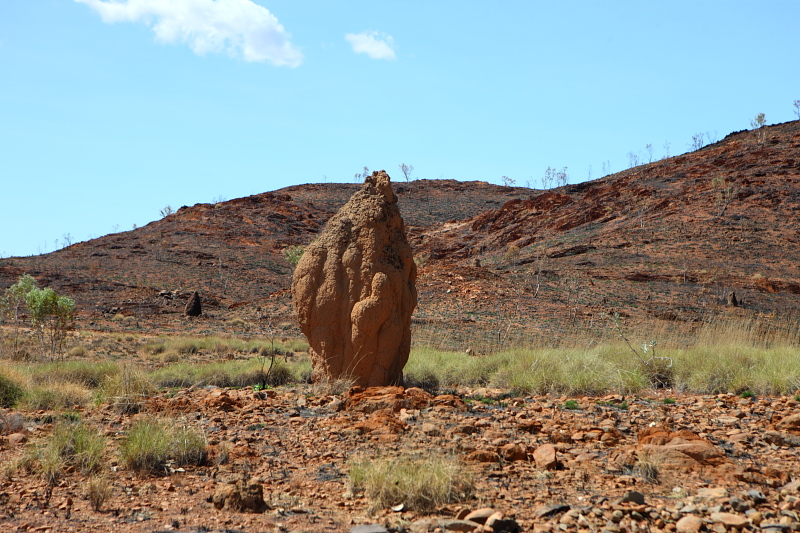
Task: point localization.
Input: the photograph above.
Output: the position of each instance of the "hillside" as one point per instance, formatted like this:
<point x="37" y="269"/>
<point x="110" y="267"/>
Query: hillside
<point x="667" y="241"/>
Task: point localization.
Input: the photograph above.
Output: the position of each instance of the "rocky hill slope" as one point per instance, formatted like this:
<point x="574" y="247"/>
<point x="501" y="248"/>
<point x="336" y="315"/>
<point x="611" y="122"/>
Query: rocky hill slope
<point x="673" y="240"/>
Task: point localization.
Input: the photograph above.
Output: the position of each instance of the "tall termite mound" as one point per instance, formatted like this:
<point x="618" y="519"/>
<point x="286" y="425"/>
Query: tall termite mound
<point x="354" y="290"/>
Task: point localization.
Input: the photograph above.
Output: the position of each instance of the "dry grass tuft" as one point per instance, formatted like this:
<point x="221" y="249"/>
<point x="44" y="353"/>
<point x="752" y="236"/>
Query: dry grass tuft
<point x="420" y="483"/>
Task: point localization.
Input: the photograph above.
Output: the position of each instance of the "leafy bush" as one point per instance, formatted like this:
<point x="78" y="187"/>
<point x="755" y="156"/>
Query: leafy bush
<point x="51" y="316"/>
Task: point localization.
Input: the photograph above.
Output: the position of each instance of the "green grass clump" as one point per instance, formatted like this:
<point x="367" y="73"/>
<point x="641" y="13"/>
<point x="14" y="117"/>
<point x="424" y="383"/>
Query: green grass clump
<point x="55" y="396"/>
<point x="71" y="444"/>
<point x="127" y="390"/>
<point x="421" y="483"/>
<point x="669" y="401"/>
<point x="85" y="373"/>
<point x="571" y="405"/>
<point x="151" y="442"/>
<point x="234" y="373"/>
<point x="11" y="391"/>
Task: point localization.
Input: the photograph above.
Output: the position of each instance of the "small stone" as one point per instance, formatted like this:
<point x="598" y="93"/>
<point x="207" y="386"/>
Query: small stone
<point x="738" y="504"/>
<point x="729" y="519"/>
<point x="712" y="493"/>
<point x="483" y="456"/>
<point x="551" y="510"/>
<point x="545" y="457"/>
<point x="466" y="526"/>
<point x="480" y="515"/>
<point x="17" y="438"/>
<point x="689" y="524"/>
<point x="432" y="430"/>
<point x="756" y="518"/>
<point x="369" y="528"/>
<point x="632" y="496"/>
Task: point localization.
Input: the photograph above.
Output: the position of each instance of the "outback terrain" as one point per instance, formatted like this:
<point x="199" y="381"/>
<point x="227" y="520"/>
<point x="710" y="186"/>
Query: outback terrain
<point x="662" y="253"/>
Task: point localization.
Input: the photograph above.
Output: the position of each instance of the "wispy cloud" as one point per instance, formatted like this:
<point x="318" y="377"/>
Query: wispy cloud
<point x="239" y="27"/>
<point x="376" y="45"/>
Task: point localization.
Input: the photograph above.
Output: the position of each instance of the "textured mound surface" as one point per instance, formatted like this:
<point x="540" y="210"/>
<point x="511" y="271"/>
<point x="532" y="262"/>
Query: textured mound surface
<point x="354" y="290"/>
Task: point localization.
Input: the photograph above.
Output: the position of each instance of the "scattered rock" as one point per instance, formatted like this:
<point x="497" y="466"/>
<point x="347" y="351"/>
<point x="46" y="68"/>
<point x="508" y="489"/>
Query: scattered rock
<point x="480" y="515"/>
<point x="689" y="524"/>
<point x="354" y="290"/>
<point x="632" y="496"/>
<point x="484" y="456"/>
<point x="17" y="438"/>
<point x="240" y="495"/>
<point x="369" y="528"/>
<point x="729" y="519"/>
<point x="545" y="457"/>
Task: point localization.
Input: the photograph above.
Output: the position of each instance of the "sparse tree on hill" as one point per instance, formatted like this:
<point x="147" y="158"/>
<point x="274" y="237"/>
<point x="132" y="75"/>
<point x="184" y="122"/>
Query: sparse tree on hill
<point x="697" y="142"/>
<point x="508" y="182"/>
<point x="167" y="211"/>
<point x="797" y="108"/>
<point x="666" y="149"/>
<point x="12" y="302"/>
<point x="406" y="170"/>
<point x="649" y="149"/>
<point x="51" y="316"/>
<point x="758" y="123"/>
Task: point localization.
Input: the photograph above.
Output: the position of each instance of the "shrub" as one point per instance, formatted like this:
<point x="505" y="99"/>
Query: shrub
<point x="421" y="483"/>
<point x="11" y="304"/>
<point x="294" y="253"/>
<point x="571" y="404"/>
<point x="51" y="316"/>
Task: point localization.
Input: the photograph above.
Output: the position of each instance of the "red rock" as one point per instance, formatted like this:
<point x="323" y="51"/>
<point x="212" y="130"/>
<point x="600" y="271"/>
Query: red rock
<point x="689" y="524"/>
<point x="484" y="456"/>
<point x="545" y="457"/>
<point x="729" y="519"/>
<point x="480" y="515"/>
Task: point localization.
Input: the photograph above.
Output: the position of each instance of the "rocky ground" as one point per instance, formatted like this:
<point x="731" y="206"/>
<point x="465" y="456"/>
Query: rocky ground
<point x="613" y="464"/>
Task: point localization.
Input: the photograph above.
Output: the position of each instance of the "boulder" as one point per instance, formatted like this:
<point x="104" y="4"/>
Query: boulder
<point x="354" y="290"/>
<point x="193" y="307"/>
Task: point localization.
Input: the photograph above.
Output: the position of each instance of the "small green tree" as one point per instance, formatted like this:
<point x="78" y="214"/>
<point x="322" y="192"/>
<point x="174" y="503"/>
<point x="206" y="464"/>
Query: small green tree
<point x="51" y="316"/>
<point x="294" y="253"/>
<point x="12" y="302"/>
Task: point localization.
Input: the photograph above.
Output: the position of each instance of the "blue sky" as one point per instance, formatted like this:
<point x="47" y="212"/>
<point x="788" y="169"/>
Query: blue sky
<point x="111" y="110"/>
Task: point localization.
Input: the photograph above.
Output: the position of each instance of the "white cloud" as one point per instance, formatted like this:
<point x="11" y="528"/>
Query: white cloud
<point x="239" y="27"/>
<point x="375" y="45"/>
